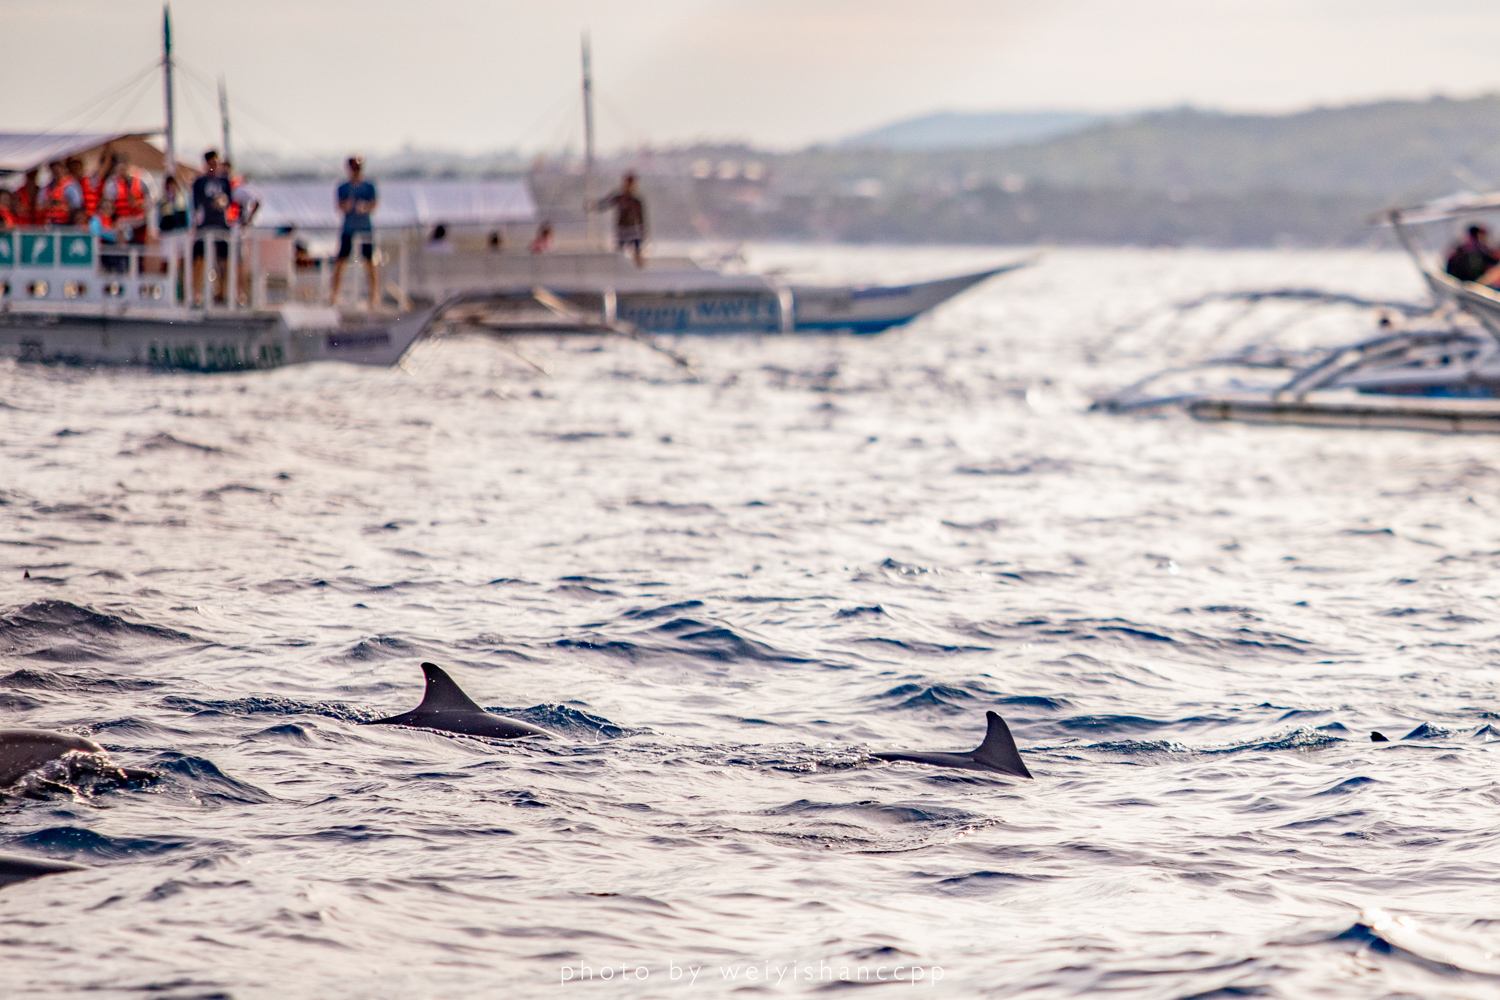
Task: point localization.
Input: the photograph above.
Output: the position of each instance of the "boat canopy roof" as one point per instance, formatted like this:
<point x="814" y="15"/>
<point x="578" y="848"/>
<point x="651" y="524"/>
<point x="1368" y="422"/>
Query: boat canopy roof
<point x="311" y="204"/>
<point x="23" y="151"/>
<point x="1447" y="207"/>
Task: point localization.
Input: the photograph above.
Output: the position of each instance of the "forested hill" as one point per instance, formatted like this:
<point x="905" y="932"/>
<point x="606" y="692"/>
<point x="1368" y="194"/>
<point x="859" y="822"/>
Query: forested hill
<point x="1391" y="149"/>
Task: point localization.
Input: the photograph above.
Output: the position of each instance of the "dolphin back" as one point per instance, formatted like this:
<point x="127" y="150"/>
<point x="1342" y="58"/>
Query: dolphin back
<point x="998" y="752"/>
<point x="23" y="750"/>
<point x="446" y="707"/>
<point x="14" y="868"/>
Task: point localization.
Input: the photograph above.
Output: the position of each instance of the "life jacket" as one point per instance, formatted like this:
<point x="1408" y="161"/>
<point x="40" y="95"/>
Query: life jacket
<point x="8" y="218"/>
<point x="129" y="196"/>
<point x="232" y="213"/>
<point x="25" y="202"/>
<point x="59" y="213"/>
<point x="92" y="188"/>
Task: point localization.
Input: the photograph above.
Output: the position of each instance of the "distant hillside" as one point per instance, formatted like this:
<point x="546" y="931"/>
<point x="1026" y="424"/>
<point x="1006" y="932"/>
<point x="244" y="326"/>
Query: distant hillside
<point x="1391" y="149"/>
<point x="1183" y="176"/>
<point x="971" y="130"/>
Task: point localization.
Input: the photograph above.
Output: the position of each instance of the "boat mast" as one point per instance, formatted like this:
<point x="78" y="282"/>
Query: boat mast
<point x="224" y="117"/>
<point x="588" y="138"/>
<point x="166" y="69"/>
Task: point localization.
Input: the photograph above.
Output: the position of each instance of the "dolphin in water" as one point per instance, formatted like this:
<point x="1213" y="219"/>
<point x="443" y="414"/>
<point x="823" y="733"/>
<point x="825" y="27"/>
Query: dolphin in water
<point x="25" y="750"/>
<point x="997" y="753"/>
<point x="14" y="868"/>
<point x="445" y="707"/>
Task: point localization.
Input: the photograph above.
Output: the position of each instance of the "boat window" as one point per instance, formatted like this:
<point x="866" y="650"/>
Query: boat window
<point x="38" y="289"/>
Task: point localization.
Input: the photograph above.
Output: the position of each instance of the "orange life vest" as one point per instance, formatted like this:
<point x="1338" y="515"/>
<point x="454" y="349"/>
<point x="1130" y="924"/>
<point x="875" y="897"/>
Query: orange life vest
<point x="232" y="213"/>
<point x="59" y="212"/>
<point x="129" y="197"/>
<point x="92" y="188"/>
<point x="25" y="202"/>
<point x="7" y="218"/>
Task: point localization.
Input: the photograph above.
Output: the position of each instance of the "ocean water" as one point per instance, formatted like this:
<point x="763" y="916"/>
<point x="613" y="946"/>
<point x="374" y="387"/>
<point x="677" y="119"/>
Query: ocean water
<point x="723" y="588"/>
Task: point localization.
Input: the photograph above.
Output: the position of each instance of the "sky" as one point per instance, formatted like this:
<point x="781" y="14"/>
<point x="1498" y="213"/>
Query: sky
<point x="325" y="77"/>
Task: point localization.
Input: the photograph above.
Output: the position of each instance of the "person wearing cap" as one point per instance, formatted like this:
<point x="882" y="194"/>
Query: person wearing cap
<point x="357" y="200"/>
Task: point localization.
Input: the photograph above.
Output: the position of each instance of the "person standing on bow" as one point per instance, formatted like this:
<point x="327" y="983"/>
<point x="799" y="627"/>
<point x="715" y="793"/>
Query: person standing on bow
<point x="630" y="218"/>
<point x="357" y="199"/>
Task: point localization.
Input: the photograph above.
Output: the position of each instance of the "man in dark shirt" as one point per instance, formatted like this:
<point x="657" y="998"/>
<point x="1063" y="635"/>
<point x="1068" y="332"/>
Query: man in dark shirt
<point x="630" y="218"/>
<point x="210" y="203"/>
<point x="1472" y="259"/>
<point x="357" y="200"/>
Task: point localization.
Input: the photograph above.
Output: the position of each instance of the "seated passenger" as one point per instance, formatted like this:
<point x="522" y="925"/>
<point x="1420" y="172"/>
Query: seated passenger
<point x="1474" y="257"/>
<point x="28" y="200"/>
<point x="7" y="210"/>
<point x="542" y="243"/>
<point x="438" y="242"/>
<point x="172" y="209"/>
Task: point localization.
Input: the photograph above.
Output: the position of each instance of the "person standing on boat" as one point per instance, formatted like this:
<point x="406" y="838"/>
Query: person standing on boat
<point x="630" y="218"/>
<point x="357" y="199"/>
<point x="172" y="209"/>
<point x="210" y="203"/>
<point x="29" y="199"/>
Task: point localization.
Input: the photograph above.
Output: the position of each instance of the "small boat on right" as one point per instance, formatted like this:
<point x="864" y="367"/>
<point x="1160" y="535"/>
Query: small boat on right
<point x="1438" y="371"/>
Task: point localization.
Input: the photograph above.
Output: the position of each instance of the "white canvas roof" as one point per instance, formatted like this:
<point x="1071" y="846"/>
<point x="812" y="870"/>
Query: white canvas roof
<point x="310" y="204"/>
<point x="23" y="151"/>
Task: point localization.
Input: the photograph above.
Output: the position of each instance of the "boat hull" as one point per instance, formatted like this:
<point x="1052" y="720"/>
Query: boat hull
<point x="236" y="341"/>
<point x="1413" y="413"/>
<point x="684" y="301"/>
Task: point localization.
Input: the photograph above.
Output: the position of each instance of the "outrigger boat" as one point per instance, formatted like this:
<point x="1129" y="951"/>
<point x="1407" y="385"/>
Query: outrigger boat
<point x="68" y="295"/>
<point x="1435" y="369"/>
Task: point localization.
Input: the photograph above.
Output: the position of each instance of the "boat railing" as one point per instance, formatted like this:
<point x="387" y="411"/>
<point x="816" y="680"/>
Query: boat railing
<point x="47" y="268"/>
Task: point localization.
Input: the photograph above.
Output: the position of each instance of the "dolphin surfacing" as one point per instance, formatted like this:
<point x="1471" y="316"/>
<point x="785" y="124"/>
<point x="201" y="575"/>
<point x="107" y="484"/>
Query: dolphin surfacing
<point x="997" y="753"/>
<point x="445" y="707"/>
<point x="14" y="868"/>
<point x="24" y="750"/>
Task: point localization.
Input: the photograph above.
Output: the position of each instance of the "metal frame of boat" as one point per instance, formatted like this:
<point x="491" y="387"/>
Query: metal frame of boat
<point x="1441" y="375"/>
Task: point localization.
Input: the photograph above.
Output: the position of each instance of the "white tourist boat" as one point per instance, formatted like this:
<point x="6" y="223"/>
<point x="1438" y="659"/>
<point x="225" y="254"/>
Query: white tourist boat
<point x="68" y="295"/>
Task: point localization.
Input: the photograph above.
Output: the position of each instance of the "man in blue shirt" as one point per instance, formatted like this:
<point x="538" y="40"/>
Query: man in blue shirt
<point x="210" y="202"/>
<point x="356" y="199"/>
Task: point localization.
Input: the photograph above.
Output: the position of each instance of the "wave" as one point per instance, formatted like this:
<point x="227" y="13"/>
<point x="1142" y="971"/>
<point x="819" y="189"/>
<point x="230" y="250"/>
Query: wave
<point x="61" y="632"/>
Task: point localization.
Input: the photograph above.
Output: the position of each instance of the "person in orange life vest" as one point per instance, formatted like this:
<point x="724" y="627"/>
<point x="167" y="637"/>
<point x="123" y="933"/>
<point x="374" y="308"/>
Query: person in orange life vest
<point x="64" y="198"/>
<point x="242" y="204"/>
<point x="28" y="198"/>
<point x="7" y="214"/>
<point x="125" y="190"/>
<point x="90" y="187"/>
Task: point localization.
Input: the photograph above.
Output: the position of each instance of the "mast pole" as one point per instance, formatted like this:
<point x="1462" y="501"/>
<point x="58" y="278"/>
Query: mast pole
<point x="589" y="194"/>
<point x="166" y="67"/>
<point x="224" y="117"/>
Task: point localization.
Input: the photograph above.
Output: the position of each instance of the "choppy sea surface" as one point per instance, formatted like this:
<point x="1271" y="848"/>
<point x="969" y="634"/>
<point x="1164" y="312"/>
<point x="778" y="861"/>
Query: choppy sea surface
<point x="723" y="588"/>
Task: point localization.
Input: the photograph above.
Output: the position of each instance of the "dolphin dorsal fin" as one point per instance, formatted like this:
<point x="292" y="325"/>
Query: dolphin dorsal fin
<point x="443" y="694"/>
<point x="999" y="750"/>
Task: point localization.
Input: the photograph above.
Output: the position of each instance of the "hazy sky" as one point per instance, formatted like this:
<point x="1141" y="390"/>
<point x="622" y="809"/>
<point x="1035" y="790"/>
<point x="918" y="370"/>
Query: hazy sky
<point x="316" y="76"/>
